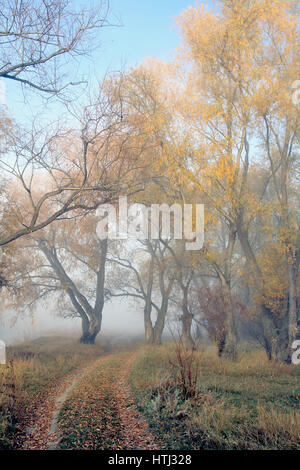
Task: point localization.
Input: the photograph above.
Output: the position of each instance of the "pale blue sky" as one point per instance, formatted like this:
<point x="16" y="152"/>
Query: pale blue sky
<point x="148" y="31"/>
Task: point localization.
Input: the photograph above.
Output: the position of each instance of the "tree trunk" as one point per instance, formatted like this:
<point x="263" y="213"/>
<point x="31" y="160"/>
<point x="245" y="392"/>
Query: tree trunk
<point x="270" y="332"/>
<point x="85" y="325"/>
<point x="94" y="329"/>
<point x="221" y="344"/>
<point x="230" y="346"/>
<point x="292" y="306"/>
<point x="159" y="327"/>
<point x="187" y="339"/>
<point x="85" y="338"/>
<point x="271" y="336"/>
<point x="162" y="313"/>
<point x="148" y="306"/>
<point x="148" y="327"/>
<point x="186" y="320"/>
<point x="96" y="314"/>
<point x="85" y="321"/>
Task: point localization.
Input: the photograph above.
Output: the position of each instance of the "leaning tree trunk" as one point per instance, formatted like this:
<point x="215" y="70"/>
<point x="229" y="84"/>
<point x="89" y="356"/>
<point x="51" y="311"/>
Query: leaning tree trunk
<point x="85" y="324"/>
<point x="91" y="318"/>
<point x="85" y="321"/>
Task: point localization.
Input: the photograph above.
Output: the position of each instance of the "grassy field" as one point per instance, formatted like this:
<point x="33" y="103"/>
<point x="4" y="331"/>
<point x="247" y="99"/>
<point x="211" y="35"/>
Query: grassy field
<point x="30" y="370"/>
<point x="191" y="401"/>
<point x="250" y="404"/>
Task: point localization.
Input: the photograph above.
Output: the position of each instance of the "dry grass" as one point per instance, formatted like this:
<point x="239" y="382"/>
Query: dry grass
<point x="193" y="401"/>
<point x="248" y="404"/>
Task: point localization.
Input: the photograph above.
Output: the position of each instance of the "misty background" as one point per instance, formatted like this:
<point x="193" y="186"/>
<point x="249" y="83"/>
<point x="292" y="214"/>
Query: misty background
<point x="121" y="319"/>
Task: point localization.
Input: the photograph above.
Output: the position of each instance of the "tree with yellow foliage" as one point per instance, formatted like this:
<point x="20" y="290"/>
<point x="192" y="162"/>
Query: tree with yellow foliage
<point x="244" y="60"/>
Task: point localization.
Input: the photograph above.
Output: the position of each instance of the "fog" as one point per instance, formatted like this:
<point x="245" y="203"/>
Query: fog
<point x="120" y="319"/>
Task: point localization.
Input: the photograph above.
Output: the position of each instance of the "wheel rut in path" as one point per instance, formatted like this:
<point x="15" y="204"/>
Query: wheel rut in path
<point x="42" y="429"/>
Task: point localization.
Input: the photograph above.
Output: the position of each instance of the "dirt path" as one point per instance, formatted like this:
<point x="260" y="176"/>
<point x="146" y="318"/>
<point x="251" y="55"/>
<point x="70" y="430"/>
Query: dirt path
<point x="43" y="432"/>
<point x="53" y="436"/>
<point x="135" y="431"/>
<point x="42" y="429"/>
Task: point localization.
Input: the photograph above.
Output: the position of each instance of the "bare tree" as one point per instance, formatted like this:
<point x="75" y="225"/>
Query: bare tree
<point x="52" y="172"/>
<point x="39" y="37"/>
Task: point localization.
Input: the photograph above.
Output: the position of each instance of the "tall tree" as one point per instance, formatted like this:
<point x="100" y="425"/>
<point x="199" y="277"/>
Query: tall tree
<point x="244" y="60"/>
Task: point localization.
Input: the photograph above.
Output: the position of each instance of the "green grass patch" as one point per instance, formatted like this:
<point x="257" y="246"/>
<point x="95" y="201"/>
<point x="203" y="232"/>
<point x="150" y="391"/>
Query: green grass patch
<point x="248" y="404"/>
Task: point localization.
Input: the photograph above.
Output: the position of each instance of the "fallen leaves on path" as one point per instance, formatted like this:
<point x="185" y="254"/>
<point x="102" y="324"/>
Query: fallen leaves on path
<point x="134" y="429"/>
<point x="39" y="435"/>
<point x="101" y="413"/>
<point x="91" y="408"/>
